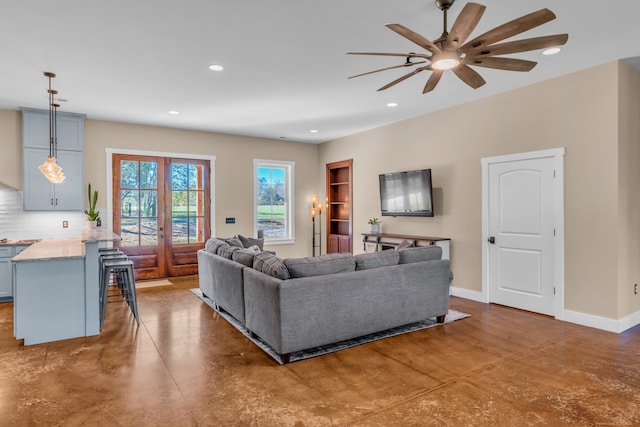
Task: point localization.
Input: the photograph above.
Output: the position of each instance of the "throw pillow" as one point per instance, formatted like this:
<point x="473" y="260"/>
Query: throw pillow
<point x="376" y="259"/>
<point x="249" y="241"/>
<point x="270" y="265"/>
<point x="212" y="245"/>
<point x="420" y="253"/>
<point x="254" y="248"/>
<point x="221" y="247"/>
<point x="404" y="244"/>
<point x="320" y="265"/>
<point x="244" y="257"/>
<point x="234" y="241"/>
<point x="228" y="251"/>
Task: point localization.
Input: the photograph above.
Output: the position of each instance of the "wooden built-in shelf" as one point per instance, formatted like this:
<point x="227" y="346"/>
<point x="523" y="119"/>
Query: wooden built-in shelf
<point x="339" y="206"/>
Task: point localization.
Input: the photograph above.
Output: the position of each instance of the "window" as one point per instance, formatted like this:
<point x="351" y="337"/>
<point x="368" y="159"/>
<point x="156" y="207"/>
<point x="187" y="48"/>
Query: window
<point x="273" y="197"/>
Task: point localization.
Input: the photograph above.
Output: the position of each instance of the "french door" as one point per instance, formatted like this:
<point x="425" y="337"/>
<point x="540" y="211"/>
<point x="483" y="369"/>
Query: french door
<point x="161" y="210"/>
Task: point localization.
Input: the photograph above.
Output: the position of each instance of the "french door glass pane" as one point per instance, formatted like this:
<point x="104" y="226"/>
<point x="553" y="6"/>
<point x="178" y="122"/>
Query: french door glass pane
<point x="149" y="232"/>
<point x="187" y="203"/>
<point x="139" y="203"/>
<point x="148" y="175"/>
<point x="129" y="232"/>
<point x="129" y="203"/>
<point x="129" y="174"/>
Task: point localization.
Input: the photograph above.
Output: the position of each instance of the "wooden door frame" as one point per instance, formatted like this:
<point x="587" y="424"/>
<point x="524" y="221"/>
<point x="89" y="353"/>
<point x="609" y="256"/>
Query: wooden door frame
<point x="558" y="200"/>
<point x="109" y="178"/>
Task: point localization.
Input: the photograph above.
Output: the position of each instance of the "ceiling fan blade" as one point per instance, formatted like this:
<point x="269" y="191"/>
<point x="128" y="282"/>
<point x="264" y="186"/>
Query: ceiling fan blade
<point x="508" y="64"/>
<point x="433" y="81"/>
<point x="511" y="28"/>
<point x="469" y="76"/>
<point x="465" y="24"/>
<point x="404" y="55"/>
<point x="521" y="46"/>
<point x="414" y="37"/>
<point x="406" y="64"/>
<point x="403" y="78"/>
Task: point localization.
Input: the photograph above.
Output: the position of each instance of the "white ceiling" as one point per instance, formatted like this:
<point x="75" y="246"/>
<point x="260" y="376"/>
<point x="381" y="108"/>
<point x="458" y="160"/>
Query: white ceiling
<point x="285" y="64"/>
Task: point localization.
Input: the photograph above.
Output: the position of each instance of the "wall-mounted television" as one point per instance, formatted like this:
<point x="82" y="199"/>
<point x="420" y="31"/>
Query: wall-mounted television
<point x="406" y="193"/>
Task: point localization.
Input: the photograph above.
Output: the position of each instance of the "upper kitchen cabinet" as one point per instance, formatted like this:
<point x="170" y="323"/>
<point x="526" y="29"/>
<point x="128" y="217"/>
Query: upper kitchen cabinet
<point x="39" y="193"/>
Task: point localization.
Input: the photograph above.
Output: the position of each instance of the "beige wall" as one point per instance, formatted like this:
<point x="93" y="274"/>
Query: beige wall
<point x="233" y="167"/>
<point x="578" y="112"/>
<point x="11" y="143"/>
<point x="629" y="196"/>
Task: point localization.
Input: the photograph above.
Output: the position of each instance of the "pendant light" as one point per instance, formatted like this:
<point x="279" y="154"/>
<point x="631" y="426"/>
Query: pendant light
<point x="50" y="168"/>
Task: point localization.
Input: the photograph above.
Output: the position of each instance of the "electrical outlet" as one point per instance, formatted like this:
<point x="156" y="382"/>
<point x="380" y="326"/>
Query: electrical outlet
<point x="65" y="224"/>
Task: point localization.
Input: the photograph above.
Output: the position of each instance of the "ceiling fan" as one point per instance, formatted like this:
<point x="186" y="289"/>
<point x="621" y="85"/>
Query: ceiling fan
<point x="450" y="52"/>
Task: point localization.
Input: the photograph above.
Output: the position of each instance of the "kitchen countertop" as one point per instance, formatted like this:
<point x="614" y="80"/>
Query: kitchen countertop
<point x="9" y="242"/>
<point x="52" y="249"/>
<point x="49" y="249"/>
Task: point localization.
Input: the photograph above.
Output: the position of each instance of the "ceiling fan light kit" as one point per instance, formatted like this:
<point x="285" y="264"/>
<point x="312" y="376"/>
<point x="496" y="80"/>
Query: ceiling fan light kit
<point x="453" y="52"/>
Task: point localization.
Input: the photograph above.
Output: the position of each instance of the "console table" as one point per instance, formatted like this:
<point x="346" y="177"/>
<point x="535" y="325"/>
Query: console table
<point x="382" y="241"/>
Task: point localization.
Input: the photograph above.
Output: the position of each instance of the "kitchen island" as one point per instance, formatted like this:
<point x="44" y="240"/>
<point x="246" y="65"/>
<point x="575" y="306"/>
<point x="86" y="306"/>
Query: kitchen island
<point x="56" y="289"/>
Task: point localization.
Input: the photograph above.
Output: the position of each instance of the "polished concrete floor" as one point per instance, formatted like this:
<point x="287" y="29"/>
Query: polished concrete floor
<point x="186" y="366"/>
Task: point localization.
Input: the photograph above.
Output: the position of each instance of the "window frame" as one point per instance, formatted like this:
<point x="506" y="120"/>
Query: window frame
<point x="289" y="168"/>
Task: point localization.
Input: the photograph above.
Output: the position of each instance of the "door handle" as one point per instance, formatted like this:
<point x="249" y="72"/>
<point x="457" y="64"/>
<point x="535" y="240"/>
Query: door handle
<point x="492" y="240"/>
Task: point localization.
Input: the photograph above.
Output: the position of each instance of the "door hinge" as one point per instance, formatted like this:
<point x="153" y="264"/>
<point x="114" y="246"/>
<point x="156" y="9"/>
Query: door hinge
<point x="554" y="232"/>
<point x="554" y="290"/>
<point x="554" y="173"/>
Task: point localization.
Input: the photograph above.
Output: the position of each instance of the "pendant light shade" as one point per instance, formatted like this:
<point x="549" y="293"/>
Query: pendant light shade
<point x="50" y="168"/>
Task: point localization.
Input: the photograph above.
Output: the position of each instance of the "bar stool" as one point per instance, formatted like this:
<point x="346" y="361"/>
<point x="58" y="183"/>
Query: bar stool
<point x="105" y="255"/>
<point x="123" y="270"/>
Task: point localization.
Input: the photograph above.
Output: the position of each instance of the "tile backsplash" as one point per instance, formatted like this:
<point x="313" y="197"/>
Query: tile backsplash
<point x="15" y="223"/>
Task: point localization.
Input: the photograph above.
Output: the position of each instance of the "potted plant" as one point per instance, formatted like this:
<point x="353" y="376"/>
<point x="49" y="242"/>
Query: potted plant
<point x="92" y="215"/>
<point x="374" y="225"/>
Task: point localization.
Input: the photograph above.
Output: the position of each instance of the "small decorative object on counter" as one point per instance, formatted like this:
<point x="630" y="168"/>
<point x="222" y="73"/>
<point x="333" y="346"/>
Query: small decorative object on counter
<point x="93" y="216"/>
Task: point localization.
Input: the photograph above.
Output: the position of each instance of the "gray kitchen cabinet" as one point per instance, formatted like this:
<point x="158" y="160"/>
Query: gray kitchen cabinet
<point x="40" y="194"/>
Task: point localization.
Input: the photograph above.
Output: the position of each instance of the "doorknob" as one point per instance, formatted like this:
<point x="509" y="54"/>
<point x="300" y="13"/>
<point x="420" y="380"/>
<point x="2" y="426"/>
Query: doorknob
<point x="492" y="240"/>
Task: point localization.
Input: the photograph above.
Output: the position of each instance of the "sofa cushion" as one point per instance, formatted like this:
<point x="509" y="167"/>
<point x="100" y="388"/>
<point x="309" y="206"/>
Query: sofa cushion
<point x="376" y="259"/>
<point x="250" y="241"/>
<point x="271" y="265"/>
<point x="244" y="257"/>
<point x="213" y="244"/>
<point x="420" y="253"/>
<point x="320" y="265"/>
<point x="228" y="251"/>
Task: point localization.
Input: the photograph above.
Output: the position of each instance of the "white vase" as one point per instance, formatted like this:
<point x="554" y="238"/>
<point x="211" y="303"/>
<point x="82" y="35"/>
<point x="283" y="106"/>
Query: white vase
<point x="92" y="224"/>
<point x="375" y="228"/>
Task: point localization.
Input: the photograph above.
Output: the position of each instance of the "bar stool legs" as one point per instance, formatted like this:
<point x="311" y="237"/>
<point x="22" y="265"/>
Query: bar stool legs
<point x="122" y="268"/>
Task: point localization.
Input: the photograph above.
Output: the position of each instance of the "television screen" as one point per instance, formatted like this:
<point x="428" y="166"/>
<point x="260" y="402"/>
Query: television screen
<point x="406" y="193"/>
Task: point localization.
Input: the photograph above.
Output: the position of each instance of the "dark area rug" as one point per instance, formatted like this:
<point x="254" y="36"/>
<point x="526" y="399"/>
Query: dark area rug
<point x="452" y="316"/>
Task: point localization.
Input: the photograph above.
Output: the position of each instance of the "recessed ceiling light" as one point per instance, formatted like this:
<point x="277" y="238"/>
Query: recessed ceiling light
<point x="175" y="113"/>
<point x="314" y="131"/>
<point x="392" y="104"/>
<point x="551" y="51"/>
<point x="216" y="67"/>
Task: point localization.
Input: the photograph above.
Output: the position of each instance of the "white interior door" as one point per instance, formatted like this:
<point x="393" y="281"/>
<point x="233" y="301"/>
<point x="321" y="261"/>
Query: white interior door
<point x="521" y="232"/>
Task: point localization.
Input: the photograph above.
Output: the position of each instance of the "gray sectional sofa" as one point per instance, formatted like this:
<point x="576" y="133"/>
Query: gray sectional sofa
<point x="296" y="304"/>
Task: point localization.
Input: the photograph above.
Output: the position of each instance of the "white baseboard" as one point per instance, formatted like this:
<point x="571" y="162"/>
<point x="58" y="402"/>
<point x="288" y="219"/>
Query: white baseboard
<point x="467" y="294"/>
<point x="604" y="323"/>
<point x="584" y="319"/>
